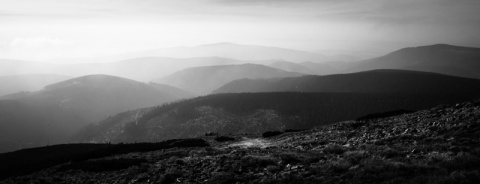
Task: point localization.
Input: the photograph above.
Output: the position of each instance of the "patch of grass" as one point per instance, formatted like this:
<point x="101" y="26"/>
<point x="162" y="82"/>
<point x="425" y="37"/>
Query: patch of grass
<point x="258" y="161"/>
<point x="336" y="166"/>
<point x="334" y="149"/>
<point x="355" y="157"/>
<point x="461" y="161"/>
<point x="391" y="153"/>
<point x="290" y="157"/>
<point x="224" y="177"/>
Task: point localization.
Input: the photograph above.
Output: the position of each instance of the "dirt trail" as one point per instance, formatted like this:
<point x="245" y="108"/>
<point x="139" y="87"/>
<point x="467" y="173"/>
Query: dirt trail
<point x="248" y="143"/>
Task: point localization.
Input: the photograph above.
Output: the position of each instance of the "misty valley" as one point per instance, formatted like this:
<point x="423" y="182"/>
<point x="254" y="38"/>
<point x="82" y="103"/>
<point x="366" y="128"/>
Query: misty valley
<point x="239" y="91"/>
<point x="123" y="116"/>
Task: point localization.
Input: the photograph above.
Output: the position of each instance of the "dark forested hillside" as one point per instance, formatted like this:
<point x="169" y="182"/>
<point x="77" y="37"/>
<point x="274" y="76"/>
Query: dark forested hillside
<point x="375" y="81"/>
<point x="252" y="113"/>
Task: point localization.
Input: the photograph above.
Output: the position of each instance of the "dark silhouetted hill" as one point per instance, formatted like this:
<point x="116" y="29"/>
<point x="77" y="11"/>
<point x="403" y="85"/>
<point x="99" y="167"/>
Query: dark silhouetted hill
<point x="375" y="82"/>
<point x="440" y="58"/>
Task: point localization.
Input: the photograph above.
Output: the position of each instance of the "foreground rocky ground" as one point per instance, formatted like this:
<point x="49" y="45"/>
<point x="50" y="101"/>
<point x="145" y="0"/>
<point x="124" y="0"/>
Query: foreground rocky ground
<point x="440" y="145"/>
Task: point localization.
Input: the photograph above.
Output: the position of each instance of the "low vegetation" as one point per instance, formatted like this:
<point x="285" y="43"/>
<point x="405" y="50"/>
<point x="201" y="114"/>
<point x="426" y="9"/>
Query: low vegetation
<point x="34" y="159"/>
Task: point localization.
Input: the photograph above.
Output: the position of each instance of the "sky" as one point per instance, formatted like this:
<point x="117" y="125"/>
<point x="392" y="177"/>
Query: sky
<point x="49" y="29"/>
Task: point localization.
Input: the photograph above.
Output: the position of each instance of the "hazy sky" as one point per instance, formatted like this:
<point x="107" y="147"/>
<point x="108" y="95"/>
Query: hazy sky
<point x="46" y="29"/>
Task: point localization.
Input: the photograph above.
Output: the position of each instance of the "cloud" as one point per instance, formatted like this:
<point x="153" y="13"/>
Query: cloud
<point x="405" y="12"/>
<point x="37" y="47"/>
<point x="34" y="43"/>
<point x="265" y="2"/>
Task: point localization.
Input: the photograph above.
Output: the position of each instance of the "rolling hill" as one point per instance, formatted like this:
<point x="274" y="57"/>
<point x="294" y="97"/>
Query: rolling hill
<point x="203" y="80"/>
<point x="50" y="115"/>
<point x="375" y="82"/>
<point x="326" y="68"/>
<point x="143" y="68"/>
<point x="294" y="67"/>
<point x="313" y="68"/>
<point x="440" y="58"/>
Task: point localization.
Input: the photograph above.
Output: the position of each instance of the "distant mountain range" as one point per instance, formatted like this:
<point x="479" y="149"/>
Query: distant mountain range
<point x="205" y="79"/>
<point x="376" y="81"/>
<point x="51" y="115"/>
<point x="229" y="50"/>
<point x="141" y="69"/>
<point x="30" y="82"/>
<point x="440" y="58"/>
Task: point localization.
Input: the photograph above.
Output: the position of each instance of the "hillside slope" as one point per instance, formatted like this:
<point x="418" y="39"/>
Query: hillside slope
<point x="252" y="113"/>
<point x="438" y="145"/>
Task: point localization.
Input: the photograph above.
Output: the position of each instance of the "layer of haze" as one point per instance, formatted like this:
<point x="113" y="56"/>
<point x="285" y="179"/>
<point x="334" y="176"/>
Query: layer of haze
<point x="52" y="29"/>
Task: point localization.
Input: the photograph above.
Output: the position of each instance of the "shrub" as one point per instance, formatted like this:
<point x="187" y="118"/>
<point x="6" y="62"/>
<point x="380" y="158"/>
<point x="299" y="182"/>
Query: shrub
<point x="334" y="149"/>
<point x="337" y="166"/>
<point x="356" y="157"/>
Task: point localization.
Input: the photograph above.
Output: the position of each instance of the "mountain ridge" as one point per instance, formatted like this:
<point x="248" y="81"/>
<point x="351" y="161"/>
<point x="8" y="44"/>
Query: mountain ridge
<point x="202" y="80"/>
<point x="383" y="80"/>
